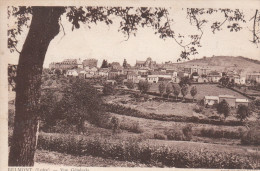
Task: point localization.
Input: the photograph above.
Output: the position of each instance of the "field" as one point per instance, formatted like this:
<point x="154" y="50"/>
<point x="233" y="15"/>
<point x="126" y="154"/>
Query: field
<point x="205" y="90"/>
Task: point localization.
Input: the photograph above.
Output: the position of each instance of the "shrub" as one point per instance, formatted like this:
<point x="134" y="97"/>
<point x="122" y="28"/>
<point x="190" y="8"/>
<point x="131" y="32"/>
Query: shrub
<point x="160" y="136"/>
<point x="131" y="127"/>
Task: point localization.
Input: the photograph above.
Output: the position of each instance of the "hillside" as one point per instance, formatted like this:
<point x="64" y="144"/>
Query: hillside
<point x="227" y="63"/>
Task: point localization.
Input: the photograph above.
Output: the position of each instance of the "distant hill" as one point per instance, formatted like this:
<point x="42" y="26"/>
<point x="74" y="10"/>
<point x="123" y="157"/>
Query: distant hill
<point x="227" y="63"/>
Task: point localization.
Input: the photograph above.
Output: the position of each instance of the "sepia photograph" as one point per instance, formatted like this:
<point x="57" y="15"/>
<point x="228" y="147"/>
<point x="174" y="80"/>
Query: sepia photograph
<point x="150" y="85"/>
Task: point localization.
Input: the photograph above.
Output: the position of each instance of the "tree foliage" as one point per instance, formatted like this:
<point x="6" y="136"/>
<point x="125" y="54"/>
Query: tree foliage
<point x="184" y="90"/>
<point x="130" y="84"/>
<point x="176" y="90"/>
<point x="161" y="88"/>
<point x="185" y="81"/>
<point x="143" y="86"/>
<point x="104" y="64"/>
<point x="243" y="112"/>
<point x="223" y="108"/>
<point x="169" y="89"/>
<point x="108" y="89"/>
<point x="193" y="91"/>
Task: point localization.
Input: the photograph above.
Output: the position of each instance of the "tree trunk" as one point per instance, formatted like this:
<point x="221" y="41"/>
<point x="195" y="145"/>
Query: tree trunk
<point x="44" y="27"/>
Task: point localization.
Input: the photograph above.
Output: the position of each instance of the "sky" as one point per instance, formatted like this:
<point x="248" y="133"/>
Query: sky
<point x="105" y="42"/>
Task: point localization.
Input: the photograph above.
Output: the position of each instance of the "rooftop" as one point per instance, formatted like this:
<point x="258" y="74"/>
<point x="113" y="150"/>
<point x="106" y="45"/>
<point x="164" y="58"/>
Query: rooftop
<point x="212" y="97"/>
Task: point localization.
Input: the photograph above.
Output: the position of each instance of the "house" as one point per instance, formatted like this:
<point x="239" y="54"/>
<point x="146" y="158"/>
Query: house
<point x="202" y="80"/>
<point x="253" y="77"/>
<point x="72" y="73"/>
<point x="153" y="78"/>
<point x="214" y="77"/>
<point x="239" y="80"/>
<point x="211" y="100"/>
<point x="241" y="102"/>
<point x="113" y="73"/>
<point x="133" y="77"/>
<point x="103" y="72"/>
<point x="143" y="71"/>
<point x="231" y="100"/>
<point x="147" y="63"/>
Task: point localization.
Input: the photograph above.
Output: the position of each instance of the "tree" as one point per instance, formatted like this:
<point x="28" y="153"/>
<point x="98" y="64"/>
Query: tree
<point x="193" y="92"/>
<point x="125" y="63"/>
<point x="243" y="112"/>
<point x="119" y="79"/>
<point x="45" y="26"/>
<point x="58" y="72"/>
<point x="161" y="88"/>
<point x="224" y="81"/>
<point x="104" y="64"/>
<point x="130" y="84"/>
<point x="185" y="81"/>
<point x="184" y="91"/>
<point x="223" y="108"/>
<point x="81" y="102"/>
<point x="143" y="86"/>
<point x="176" y="90"/>
<point x="169" y="90"/>
<point x="108" y="89"/>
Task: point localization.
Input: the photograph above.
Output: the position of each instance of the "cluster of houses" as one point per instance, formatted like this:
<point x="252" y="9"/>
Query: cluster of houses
<point x="231" y="100"/>
<point x="149" y="70"/>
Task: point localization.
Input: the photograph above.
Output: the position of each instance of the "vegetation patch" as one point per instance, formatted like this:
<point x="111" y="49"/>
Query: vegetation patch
<point x="133" y="150"/>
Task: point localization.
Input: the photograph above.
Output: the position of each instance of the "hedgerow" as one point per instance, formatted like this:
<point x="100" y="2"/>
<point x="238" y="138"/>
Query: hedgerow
<point x="133" y="150"/>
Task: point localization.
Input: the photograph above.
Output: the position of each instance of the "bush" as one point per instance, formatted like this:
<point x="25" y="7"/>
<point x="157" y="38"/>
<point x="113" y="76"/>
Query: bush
<point x="160" y="136"/>
<point x="131" y="127"/>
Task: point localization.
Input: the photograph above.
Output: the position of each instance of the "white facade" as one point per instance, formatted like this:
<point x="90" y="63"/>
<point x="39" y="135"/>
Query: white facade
<point x="73" y="73"/>
<point x="211" y="100"/>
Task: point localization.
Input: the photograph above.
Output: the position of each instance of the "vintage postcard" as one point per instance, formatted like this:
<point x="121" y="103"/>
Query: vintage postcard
<point x="105" y="85"/>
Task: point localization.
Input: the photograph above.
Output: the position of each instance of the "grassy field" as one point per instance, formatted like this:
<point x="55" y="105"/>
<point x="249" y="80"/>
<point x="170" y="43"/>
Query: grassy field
<point x="205" y="90"/>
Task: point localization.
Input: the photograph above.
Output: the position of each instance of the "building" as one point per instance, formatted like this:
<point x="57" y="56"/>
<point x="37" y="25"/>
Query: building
<point x="214" y="77"/>
<point x="72" y="73"/>
<point x="241" y="102"/>
<point x="239" y="79"/>
<point x="90" y="63"/>
<point x="211" y="100"/>
<point x="103" y="72"/>
<point x="66" y="64"/>
<point x="253" y="77"/>
<point x="135" y="78"/>
<point x="148" y="63"/>
<point x="113" y="73"/>
<point x="198" y="69"/>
